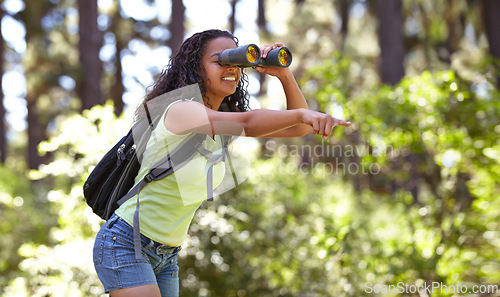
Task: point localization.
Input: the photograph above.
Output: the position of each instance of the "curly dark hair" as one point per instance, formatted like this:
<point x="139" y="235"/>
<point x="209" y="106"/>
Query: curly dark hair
<point x="185" y="68"/>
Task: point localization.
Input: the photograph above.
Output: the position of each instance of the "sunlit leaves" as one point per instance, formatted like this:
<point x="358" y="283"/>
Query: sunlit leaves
<point x="65" y="266"/>
<point x="442" y="170"/>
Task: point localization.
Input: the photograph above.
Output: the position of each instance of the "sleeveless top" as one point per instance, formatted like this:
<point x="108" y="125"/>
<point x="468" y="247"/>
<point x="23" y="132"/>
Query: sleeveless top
<point x="167" y="206"/>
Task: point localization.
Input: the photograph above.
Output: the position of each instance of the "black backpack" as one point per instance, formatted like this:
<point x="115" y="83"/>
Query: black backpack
<point x="111" y="182"/>
<point x="112" y="178"/>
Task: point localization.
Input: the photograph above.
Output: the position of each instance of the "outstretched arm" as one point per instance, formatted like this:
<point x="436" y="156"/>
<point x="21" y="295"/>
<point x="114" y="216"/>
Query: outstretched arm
<point x="185" y="117"/>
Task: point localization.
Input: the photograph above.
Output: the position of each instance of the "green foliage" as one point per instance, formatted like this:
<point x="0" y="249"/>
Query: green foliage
<point x="61" y="265"/>
<point x="273" y="236"/>
<point x="23" y="212"/>
<point x="436" y="138"/>
<point x="290" y="232"/>
<point x="430" y="214"/>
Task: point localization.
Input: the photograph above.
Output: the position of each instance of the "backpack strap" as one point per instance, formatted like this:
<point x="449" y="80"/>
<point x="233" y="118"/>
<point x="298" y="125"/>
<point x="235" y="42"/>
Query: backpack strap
<point x="225" y="155"/>
<point x="212" y="160"/>
<point x="215" y="159"/>
<point x="177" y="158"/>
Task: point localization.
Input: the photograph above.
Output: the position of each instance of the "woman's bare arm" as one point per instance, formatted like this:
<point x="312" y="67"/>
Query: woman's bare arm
<point x="185" y="117"/>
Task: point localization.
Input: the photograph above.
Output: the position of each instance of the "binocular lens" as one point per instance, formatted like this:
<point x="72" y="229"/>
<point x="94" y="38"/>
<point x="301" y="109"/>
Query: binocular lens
<point x="284" y="56"/>
<point x="243" y="56"/>
<point x="253" y="54"/>
<point x="278" y="57"/>
<point x="249" y="56"/>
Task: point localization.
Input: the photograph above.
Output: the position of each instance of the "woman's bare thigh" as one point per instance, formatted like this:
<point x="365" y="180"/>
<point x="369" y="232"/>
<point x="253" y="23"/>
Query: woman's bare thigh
<point x="142" y="291"/>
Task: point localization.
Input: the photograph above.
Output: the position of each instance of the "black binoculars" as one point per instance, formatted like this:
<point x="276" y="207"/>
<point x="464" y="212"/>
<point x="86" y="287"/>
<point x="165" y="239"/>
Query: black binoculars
<point x="249" y="56"/>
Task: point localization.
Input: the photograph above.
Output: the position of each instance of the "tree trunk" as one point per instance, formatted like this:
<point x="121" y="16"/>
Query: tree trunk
<point x="390" y="33"/>
<point x="32" y="17"/>
<point x="232" y="18"/>
<point x="176" y="26"/>
<point x="117" y="89"/>
<point x="261" y="17"/>
<point x="3" y="128"/>
<point x="344" y="15"/>
<point x="455" y="29"/>
<point x="491" y="11"/>
<point x="36" y="133"/>
<point x="89" y="88"/>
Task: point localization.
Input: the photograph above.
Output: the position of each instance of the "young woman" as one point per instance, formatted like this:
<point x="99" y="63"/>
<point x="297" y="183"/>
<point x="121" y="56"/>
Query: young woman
<point x="165" y="216"/>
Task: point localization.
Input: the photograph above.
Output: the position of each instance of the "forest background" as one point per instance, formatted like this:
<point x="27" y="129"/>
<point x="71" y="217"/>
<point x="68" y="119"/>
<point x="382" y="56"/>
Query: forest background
<point x="406" y="197"/>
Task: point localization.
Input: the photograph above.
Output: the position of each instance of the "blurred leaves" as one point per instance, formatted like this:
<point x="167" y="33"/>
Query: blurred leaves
<point x="410" y="192"/>
<point x="59" y="263"/>
<point x="294" y="228"/>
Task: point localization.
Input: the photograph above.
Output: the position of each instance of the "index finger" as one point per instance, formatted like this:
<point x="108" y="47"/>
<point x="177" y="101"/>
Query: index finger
<point x="265" y="49"/>
<point x="342" y="123"/>
<point x="277" y="44"/>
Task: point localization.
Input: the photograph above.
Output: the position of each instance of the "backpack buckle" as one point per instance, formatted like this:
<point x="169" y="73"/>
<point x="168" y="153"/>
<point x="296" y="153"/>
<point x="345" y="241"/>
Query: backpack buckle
<point x="149" y="177"/>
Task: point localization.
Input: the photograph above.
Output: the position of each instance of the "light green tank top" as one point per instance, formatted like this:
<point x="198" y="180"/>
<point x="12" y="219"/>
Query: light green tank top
<point x="167" y="206"/>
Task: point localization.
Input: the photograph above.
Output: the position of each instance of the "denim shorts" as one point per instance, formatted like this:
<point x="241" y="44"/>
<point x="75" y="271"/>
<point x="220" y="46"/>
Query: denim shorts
<point x="118" y="268"/>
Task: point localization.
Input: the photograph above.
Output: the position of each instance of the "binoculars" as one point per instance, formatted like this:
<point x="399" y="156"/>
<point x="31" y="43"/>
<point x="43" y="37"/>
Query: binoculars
<point x="249" y="56"/>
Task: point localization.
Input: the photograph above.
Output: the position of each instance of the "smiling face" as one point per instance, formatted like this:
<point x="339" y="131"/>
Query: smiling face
<point x="220" y="81"/>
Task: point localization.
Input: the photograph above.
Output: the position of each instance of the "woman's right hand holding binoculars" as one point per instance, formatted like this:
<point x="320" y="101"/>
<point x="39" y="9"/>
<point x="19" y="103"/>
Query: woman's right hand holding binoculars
<point x="265" y="49"/>
<point x="279" y="72"/>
